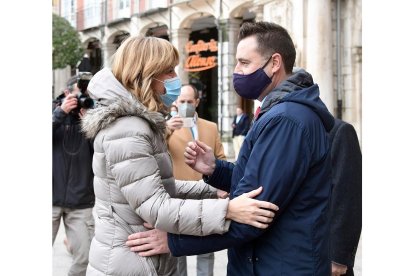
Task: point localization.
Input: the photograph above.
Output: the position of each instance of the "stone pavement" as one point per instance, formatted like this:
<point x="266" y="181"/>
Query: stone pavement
<point x="62" y="259"/>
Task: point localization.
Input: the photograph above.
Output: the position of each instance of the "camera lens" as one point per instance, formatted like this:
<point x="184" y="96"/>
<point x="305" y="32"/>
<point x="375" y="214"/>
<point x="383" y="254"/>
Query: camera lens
<point x="85" y="102"/>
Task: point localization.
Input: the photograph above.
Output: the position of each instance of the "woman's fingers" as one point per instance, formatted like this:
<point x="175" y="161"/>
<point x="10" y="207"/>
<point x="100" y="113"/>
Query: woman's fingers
<point x="267" y="205"/>
<point x="260" y="225"/>
<point x="254" y="193"/>
<point x="261" y="204"/>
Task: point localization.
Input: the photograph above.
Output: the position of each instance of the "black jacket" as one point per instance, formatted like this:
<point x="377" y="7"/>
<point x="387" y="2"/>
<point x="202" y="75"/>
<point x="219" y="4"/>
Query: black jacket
<point x="346" y="199"/>
<point x="242" y="127"/>
<point x="72" y="162"/>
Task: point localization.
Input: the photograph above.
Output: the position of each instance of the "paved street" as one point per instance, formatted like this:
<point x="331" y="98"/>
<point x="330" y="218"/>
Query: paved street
<point x="62" y="259"/>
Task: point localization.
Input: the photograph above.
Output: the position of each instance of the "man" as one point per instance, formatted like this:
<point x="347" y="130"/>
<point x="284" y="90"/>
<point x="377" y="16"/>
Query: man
<point x="286" y="151"/>
<point x="73" y="194"/>
<point x="241" y="125"/>
<point x="202" y="130"/>
<point x="346" y="199"/>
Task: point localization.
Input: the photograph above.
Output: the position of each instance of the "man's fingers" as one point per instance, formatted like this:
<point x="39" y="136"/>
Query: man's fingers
<point x="143" y="247"/>
<point x="189" y="159"/>
<point x="189" y="162"/>
<point x="138" y="241"/>
<point x="140" y="235"/>
<point x="190" y="151"/>
<point x="192" y="145"/>
<point x="148" y="253"/>
<point x="201" y="145"/>
<point x="254" y="193"/>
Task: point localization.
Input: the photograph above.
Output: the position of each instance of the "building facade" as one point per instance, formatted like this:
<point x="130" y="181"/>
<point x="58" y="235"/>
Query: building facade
<point x="327" y="35"/>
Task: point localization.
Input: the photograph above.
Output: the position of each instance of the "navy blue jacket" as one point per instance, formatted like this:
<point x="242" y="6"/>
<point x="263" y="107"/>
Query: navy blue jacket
<point x="287" y="152"/>
<point x="242" y="127"/>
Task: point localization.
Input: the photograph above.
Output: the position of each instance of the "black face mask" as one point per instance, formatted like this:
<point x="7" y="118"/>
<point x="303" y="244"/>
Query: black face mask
<point x="252" y="85"/>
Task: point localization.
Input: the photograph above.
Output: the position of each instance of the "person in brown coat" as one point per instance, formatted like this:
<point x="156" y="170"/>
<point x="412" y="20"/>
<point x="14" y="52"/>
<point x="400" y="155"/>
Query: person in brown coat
<point x="202" y="130"/>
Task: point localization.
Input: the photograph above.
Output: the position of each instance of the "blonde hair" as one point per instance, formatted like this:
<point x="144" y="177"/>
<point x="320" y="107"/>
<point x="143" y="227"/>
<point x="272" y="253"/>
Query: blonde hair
<point x="138" y="60"/>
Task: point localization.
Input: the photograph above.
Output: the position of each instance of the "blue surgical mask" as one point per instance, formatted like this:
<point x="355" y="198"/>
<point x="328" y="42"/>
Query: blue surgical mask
<point x="173" y="113"/>
<point x="173" y="88"/>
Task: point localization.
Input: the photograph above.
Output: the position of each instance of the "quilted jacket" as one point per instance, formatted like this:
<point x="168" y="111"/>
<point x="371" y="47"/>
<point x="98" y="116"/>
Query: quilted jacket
<point x="134" y="184"/>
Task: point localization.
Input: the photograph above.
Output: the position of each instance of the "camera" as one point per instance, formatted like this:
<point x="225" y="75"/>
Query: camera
<point x="84" y="101"/>
<point x="82" y="80"/>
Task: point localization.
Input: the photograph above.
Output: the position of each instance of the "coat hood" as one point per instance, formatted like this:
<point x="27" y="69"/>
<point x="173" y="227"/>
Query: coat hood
<point x="300" y="88"/>
<point x="112" y="102"/>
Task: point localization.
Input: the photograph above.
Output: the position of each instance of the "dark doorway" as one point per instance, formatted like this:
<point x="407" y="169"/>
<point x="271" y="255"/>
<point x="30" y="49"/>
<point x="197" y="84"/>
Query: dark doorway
<point x="206" y="81"/>
<point x="95" y="56"/>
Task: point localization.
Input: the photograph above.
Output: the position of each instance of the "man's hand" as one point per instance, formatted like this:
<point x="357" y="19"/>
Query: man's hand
<point x="200" y="157"/>
<point x="175" y="123"/>
<point x="69" y="103"/>
<point x="82" y="112"/>
<point x="338" y="269"/>
<point x="245" y="209"/>
<point x="149" y="243"/>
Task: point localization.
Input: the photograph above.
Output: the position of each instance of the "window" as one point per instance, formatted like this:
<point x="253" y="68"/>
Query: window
<point x="69" y="11"/>
<point x="124" y="10"/>
<point x="153" y="4"/>
<point x="92" y="13"/>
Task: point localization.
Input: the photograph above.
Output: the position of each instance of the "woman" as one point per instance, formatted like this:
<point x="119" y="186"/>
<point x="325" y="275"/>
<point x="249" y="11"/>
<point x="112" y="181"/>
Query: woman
<point x="133" y="171"/>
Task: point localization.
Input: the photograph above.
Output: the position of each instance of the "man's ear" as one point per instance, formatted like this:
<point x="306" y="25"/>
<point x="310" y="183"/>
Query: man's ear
<point x="197" y="102"/>
<point x="276" y="62"/>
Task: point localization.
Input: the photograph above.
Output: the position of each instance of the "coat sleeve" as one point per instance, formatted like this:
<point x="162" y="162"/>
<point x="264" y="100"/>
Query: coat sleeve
<point x="136" y="172"/>
<point x="346" y="199"/>
<point x="218" y="146"/>
<point x="246" y="125"/>
<point x="221" y="177"/>
<point x="279" y="162"/>
<point x="58" y="116"/>
<point x="194" y="190"/>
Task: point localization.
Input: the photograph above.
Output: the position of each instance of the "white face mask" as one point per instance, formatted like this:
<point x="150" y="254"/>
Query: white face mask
<point x="186" y="110"/>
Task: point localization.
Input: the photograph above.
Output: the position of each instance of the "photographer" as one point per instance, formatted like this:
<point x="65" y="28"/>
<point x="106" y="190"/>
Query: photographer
<point x="73" y="193"/>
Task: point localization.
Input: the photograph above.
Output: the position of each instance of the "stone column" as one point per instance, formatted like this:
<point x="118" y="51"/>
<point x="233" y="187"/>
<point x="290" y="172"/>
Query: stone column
<point x="258" y="10"/>
<point x="179" y="37"/>
<point x="108" y="49"/>
<point x="319" y="49"/>
<point x="228" y="98"/>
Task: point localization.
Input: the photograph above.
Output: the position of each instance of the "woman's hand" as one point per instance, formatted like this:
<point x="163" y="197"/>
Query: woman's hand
<point x="245" y="209"/>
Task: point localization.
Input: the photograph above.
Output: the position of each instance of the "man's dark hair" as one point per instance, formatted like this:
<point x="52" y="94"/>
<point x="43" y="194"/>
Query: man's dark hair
<point x="271" y="38"/>
<point x="194" y="89"/>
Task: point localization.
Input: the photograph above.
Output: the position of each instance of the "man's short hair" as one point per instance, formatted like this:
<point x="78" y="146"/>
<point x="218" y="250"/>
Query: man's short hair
<point x="194" y="89"/>
<point x="271" y="38"/>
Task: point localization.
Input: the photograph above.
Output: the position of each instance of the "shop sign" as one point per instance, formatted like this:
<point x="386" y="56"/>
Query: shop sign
<point x="196" y="62"/>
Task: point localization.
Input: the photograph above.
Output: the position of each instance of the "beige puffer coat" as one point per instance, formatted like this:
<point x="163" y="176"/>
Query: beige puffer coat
<point x="134" y="184"/>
